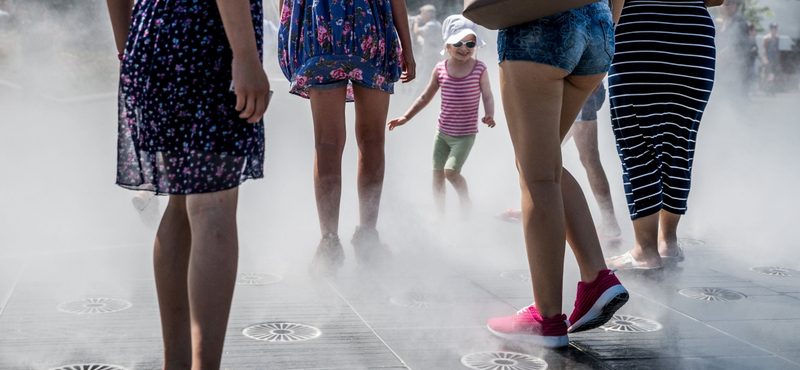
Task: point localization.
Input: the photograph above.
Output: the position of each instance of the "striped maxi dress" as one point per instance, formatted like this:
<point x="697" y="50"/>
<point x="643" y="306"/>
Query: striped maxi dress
<point x="659" y="84"/>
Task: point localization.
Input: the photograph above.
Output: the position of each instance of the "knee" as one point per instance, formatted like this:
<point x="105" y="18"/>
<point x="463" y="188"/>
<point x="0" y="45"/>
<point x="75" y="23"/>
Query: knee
<point x="370" y="142"/>
<point x="590" y="160"/>
<point x="539" y="177"/>
<point x="452" y="175"/>
<point x="329" y="144"/>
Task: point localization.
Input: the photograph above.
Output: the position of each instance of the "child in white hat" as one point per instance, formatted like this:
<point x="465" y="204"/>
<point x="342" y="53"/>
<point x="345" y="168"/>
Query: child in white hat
<point x="464" y="82"/>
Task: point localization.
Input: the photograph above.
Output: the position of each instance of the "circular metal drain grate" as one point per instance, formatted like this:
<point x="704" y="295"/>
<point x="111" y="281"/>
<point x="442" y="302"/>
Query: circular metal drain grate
<point x="630" y="324"/>
<point x="684" y="242"/>
<point x="254" y="278"/>
<point x="281" y="332"/>
<point x="712" y="294"/>
<point x="89" y="367"/>
<point x="502" y="361"/>
<point x="775" y="271"/>
<point x="94" y="305"/>
<point x="517" y="275"/>
<point x="420" y="300"/>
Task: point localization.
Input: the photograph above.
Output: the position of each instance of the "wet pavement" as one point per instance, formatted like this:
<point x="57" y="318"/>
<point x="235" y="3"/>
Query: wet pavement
<point x="422" y="313"/>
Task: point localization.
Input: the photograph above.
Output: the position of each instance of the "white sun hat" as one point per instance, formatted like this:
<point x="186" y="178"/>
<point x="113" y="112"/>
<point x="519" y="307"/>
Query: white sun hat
<point x="456" y="27"/>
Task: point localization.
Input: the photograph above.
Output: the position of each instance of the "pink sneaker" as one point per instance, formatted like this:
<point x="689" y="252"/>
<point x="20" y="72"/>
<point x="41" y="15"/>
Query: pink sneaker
<point x="528" y="326"/>
<point x="597" y="301"/>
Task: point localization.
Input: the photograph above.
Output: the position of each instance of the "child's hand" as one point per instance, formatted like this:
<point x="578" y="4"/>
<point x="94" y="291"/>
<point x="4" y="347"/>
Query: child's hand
<point x="488" y="120"/>
<point x="409" y="66"/>
<point x="252" y="88"/>
<point x="397" y="122"/>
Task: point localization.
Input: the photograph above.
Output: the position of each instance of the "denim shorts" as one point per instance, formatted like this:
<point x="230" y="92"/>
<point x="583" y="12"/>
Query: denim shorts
<point x="579" y="41"/>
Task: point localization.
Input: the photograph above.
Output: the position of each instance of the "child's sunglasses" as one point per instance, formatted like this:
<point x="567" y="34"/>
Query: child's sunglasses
<point x="468" y="44"/>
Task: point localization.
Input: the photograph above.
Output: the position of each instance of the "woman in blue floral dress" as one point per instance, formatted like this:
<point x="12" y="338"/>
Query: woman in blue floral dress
<point x="183" y="132"/>
<point x="333" y="51"/>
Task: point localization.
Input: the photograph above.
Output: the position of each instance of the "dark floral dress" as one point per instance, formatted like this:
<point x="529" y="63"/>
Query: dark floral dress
<point x="179" y="132"/>
<point x="326" y="41"/>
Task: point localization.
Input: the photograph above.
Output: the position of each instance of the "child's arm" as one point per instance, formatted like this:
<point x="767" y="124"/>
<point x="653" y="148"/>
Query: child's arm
<point x="120" y="12"/>
<point x="488" y="100"/>
<point x="400" y="19"/>
<point x="419" y="104"/>
<point x="249" y="79"/>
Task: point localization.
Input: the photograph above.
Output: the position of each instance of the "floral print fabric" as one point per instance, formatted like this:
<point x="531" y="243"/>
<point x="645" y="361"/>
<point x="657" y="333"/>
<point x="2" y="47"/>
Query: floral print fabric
<point x="327" y="41"/>
<point x="179" y="132"/>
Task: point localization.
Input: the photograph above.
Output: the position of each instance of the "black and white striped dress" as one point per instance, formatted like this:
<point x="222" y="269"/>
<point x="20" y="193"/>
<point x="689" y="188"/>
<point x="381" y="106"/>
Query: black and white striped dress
<point x="659" y="84"/>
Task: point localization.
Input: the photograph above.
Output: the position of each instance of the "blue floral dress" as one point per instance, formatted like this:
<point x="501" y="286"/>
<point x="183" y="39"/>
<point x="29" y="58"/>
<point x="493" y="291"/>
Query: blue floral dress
<point x="327" y="41"/>
<point x="179" y="132"/>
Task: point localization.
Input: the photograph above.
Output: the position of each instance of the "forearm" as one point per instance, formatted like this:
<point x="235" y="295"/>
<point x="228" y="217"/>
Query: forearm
<point x="488" y="105"/>
<point x="238" y="24"/>
<point x="418" y="106"/>
<point x="120" y="12"/>
<point x="399" y="16"/>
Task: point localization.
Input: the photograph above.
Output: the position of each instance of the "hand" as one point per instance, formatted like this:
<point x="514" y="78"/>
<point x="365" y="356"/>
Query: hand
<point x="397" y="122"/>
<point x="408" y="65"/>
<point x="251" y="86"/>
<point x="488" y="120"/>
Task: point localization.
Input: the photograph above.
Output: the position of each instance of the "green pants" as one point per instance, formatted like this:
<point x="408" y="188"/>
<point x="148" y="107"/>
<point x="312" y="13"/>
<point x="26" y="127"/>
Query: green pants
<point x="450" y="152"/>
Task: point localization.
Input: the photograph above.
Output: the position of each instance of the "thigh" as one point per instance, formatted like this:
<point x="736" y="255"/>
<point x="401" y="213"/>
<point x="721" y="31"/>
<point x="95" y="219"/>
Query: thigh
<point x="218" y="207"/>
<point x="461" y="146"/>
<point x="372" y="108"/>
<point x="532" y="94"/>
<point x="441" y="151"/>
<point x="577" y="90"/>
<point x="327" y="110"/>
<point x="585" y="134"/>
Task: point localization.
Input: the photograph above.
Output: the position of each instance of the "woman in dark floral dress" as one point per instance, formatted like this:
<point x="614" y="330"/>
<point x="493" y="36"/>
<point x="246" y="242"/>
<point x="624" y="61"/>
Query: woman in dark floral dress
<point x="334" y="51"/>
<point x="183" y="132"/>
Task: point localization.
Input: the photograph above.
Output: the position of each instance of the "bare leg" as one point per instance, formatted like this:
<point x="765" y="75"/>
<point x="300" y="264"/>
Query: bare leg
<point x="372" y="107"/>
<point x="171" y="263"/>
<point x="581" y="234"/>
<point x="582" y="239"/>
<point x="585" y="134"/>
<point x="439" y="191"/>
<point x="212" y="272"/>
<point x="460" y="185"/>
<point x="327" y="109"/>
<point x="532" y="97"/>
<point x="668" y="233"/>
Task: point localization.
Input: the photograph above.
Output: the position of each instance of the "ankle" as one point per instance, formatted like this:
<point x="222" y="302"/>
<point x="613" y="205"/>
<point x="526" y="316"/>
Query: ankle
<point x="647" y="257"/>
<point x="592" y="275"/>
<point x="548" y="312"/>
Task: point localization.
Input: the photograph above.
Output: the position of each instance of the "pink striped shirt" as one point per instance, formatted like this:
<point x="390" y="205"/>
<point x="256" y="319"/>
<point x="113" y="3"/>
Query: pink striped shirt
<point x="460" y="100"/>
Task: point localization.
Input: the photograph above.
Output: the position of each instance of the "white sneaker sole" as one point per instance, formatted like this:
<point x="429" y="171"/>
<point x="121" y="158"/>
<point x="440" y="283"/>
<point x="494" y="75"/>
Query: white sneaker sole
<point x="603" y="310"/>
<point x="539" y="340"/>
